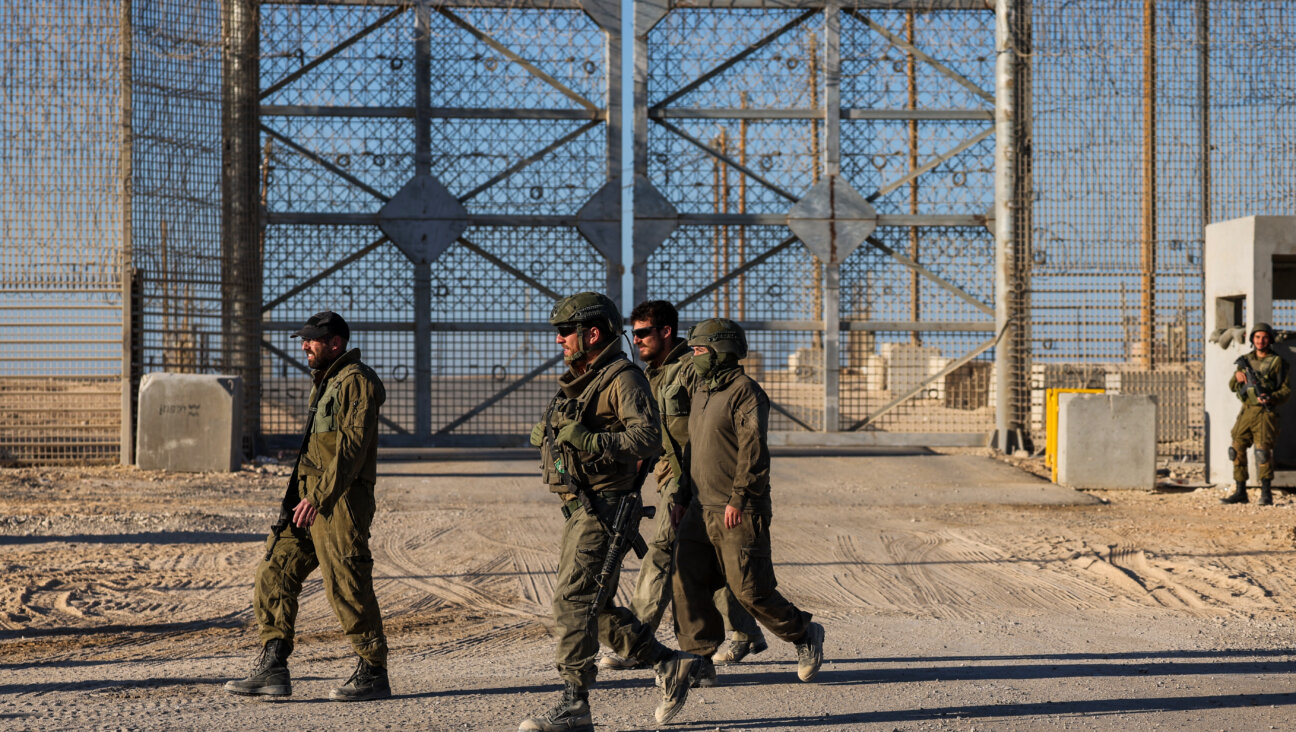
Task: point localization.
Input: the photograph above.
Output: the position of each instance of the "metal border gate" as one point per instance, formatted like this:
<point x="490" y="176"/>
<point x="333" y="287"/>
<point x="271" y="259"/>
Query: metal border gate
<point x="437" y="172"/>
<point x="864" y="131"/>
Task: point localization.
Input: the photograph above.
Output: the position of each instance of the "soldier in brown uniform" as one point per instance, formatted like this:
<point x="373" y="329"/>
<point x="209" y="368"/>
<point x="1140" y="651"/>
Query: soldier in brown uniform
<point x="724" y="534"/>
<point x="594" y="434"/>
<point x="324" y="521"/>
<point x="1261" y="393"/>
<point x="671" y="376"/>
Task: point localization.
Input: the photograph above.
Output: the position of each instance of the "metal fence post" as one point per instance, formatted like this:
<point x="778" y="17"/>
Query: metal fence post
<point x="240" y="206"/>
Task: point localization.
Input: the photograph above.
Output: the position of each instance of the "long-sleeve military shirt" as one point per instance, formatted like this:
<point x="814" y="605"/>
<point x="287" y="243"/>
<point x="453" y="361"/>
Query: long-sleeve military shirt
<point x="728" y="450"/>
<point x="341" y="454"/>
<point x="612" y="399"/>
<point x="1272" y="370"/>
<point x="671" y="384"/>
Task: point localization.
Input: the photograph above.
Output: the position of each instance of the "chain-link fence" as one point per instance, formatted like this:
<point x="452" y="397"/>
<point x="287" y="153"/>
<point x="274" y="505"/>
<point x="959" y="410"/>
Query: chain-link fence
<point x="184" y="183"/>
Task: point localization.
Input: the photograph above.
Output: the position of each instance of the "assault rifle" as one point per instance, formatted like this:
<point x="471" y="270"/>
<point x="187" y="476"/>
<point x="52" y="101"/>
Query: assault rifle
<point x="625" y="535"/>
<point x="1253" y="380"/>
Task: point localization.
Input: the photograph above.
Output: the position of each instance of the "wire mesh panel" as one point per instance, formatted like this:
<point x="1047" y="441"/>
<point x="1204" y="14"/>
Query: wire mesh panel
<point x="61" y="190"/>
<point x="1127" y="99"/>
<point x="426" y="169"/>
<point x="751" y="112"/>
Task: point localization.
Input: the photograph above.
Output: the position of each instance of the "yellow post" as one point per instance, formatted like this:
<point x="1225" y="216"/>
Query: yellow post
<point x="1050" y="423"/>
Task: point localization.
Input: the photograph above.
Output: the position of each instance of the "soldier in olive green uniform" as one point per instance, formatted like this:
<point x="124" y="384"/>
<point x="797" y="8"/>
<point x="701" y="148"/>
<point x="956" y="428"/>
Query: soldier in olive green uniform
<point x="724" y="535"/>
<point x="594" y="434"/>
<point x="1257" y="422"/>
<point x="670" y="373"/>
<point x="324" y="522"/>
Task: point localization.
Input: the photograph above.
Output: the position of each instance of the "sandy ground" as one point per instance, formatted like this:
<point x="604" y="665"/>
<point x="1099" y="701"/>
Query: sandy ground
<point x="958" y="593"/>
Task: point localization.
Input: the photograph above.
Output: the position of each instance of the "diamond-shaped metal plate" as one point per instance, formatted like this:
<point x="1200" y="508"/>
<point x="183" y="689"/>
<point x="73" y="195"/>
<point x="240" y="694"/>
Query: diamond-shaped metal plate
<point x="423" y="219"/>
<point x="599" y="220"/>
<point x="833" y="219"/>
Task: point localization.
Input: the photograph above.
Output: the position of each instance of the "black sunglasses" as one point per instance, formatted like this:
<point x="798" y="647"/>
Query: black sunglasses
<point x="643" y="332"/>
<point x="566" y="329"/>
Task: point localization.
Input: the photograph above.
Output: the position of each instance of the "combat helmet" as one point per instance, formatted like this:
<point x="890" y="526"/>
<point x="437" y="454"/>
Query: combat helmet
<point x="720" y="335"/>
<point x="586" y="308"/>
<point x="1262" y="328"/>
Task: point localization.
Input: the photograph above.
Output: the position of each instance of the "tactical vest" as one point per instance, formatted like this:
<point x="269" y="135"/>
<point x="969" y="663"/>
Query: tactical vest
<point x="587" y="469"/>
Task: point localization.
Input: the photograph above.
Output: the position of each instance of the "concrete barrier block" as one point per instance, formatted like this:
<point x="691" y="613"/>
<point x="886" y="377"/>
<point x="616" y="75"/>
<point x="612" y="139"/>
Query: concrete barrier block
<point x="1107" y="441"/>
<point x="190" y="423"/>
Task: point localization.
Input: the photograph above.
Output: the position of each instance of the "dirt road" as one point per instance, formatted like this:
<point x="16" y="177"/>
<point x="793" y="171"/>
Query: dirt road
<point x="957" y="592"/>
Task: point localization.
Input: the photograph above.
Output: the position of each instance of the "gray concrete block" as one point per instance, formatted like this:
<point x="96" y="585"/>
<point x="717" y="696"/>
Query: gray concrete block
<point x="1107" y="441"/>
<point x="190" y="423"/>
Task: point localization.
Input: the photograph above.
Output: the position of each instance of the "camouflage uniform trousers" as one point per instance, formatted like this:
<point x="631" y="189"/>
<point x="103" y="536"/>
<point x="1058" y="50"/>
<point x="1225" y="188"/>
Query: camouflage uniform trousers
<point x="710" y="556"/>
<point x="339" y="546"/>
<point x="653" y="588"/>
<point x="1259" y="426"/>
<point x="583" y="548"/>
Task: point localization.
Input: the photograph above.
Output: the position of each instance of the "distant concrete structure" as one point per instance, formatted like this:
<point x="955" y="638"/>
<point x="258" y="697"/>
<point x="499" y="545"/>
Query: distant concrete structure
<point x="190" y="423"/>
<point x="1249" y="264"/>
<point x="1107" y="441"/>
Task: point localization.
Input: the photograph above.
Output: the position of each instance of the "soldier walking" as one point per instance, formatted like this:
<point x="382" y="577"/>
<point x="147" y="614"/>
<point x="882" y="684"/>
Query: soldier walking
<point x="324" y="521"/>
<point x="655" y="324"/>
<point x="1261" y="391"/>
<point x="724" y="534"/>
<point x="597" y="429"/>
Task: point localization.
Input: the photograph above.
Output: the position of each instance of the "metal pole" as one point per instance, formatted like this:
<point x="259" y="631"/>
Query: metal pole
<point x="615" y="268"/>
<point x="640" y="148"/>
<point x="423" y="270"/>
<point x="1005" y="229"/>
<point x="127" y="264"/>
<point x="240" y="235"/>
<point x="1203" y="104"/>
<point x="832" y="167"/>
<point x="742" y="209"/>
<point x="915" y="280"/>
<point x="1143" y="355"/>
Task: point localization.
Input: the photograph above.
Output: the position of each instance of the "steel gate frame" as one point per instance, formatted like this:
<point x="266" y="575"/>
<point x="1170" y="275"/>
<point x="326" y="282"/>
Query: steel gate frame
<point x="655" y="218"/>
<point x="408" y="220"/>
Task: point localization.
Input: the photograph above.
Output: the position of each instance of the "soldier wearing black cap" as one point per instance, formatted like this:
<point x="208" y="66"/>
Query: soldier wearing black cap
<point x="1260" y="382"/>
<point x="324" y="521"/>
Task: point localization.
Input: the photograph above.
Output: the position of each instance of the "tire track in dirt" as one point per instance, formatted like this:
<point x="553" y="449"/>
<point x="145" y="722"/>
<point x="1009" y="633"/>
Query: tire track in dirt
<point x="398" y="552"/>
<point x="1172" y="584"/>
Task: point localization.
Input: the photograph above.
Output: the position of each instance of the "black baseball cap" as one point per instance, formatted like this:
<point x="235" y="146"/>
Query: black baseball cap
<point x="324" y="325"/>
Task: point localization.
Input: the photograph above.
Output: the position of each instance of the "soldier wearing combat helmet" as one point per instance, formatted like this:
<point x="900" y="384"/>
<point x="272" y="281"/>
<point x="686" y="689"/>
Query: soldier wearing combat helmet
<point x="1260" y="382"/>
<point x="724" y="535"/>
<point x="595" y="432"/>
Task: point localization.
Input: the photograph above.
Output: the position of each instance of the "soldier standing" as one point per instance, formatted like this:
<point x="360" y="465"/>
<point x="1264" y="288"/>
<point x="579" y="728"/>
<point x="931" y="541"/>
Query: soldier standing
<point x="1261" y="391"/>
<point x="671" y="375"/>
<point x="324" y="521"/>
<point x="724" y="534"/>
<point x="597" y="429"/>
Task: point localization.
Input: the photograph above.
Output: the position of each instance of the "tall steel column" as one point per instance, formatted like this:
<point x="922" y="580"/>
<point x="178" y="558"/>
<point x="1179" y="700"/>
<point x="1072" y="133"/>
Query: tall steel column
<point x="615" y="147"/>
<point x="240" y="209"/>
<point x="127" y="261"/>
<point x="832" y="169"/>
<point x="1005" y="225"/>
<point x="423" y="267"/>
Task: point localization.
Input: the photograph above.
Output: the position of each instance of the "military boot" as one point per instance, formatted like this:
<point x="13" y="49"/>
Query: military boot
<point x="737" y="650"/>
<point x="705" y="675"/>
<point x="810" y="653"/>
<point x="613" y="662"/>
<point x="366" y="682"/>
<point x="571" y="713"/>
<point x="1266" y="493"/>
<point x="270" y="674"/>
<point x="676" y="673"/>
<point x="1237" y="496"/>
